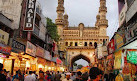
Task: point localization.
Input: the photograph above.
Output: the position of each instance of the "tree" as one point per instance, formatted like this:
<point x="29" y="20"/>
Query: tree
<point x="80" y="66"/>
<point x="52" y="29"/>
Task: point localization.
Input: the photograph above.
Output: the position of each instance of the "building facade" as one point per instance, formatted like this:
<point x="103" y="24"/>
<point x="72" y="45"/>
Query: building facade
<point x="24" y="41"/>
<point x="81" y="41"/>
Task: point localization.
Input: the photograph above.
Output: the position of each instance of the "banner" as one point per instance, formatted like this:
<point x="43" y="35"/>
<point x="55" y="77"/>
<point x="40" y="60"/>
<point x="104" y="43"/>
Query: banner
<point x="4" y="37"/>
<point x="118" y="41"/>
<point x="30" y="15"/>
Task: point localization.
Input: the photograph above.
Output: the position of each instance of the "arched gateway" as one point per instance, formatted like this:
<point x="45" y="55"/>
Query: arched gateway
<point x="80" y="56"/>
<point x="81" y="41"/>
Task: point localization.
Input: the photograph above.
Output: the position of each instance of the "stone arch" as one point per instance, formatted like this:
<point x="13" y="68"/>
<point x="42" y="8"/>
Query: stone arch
<point x="80" y="56"/>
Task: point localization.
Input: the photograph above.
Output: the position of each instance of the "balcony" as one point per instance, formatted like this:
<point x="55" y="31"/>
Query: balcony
<point x="102" y="9"/>
<point x="59" y="21"/>
<point x="103" y="22"/>
<point x="80" y="47"/>
<point x="36" y="30"/>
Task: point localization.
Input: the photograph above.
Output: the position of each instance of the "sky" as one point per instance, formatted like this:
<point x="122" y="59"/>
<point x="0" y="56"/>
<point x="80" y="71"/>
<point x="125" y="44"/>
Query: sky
<point x="84" y="11"/>
<point x="82" y="62"/>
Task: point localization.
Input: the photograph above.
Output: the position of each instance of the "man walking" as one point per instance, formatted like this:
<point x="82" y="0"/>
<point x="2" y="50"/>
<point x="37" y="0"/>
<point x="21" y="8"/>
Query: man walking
<point x="30" y="77"/>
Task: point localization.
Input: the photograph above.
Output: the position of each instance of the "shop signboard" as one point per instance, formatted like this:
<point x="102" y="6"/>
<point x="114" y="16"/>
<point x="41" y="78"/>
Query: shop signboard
<point x="40" y="51"/>
<point x="30" y="49"/>
<point x="4" y="37"/>
<point x="118" y="60"/>
<point x="5" y="49"/>
<point x="111" y="46"/>
<point x="47" y="55"/>
<point x="30" y="15"/>
<point x="17" y="46"/>
<point x="122" y="16"/>
<point x="118" y="41"/>
<point x="132" y="56"/>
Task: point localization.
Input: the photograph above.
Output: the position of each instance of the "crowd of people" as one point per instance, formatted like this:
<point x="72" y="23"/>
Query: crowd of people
<point x="94" y="74"/>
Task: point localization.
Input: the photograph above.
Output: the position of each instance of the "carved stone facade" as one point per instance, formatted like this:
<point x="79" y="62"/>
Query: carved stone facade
<point x="82" y="40"/>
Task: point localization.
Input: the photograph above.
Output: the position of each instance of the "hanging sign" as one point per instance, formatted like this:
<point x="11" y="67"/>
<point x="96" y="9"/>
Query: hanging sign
<point x="30" y="15"/>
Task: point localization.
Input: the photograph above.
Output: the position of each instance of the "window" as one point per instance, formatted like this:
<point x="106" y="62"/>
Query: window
<point x="85" y="44"/>
<point x="76" y="44"/>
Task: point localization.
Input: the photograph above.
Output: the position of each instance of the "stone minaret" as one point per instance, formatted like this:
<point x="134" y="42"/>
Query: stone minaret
<point x="103" y="22"/>
<point x="60" y="18"/>
<point x="66" y="23"/>
<point x="97" y="22"/>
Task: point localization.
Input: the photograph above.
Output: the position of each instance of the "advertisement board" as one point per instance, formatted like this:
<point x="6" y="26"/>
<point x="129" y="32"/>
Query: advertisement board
<point x="118" y="41"/>
<point x="4" y="37"/>
<point x="118" y="60"/>
<point x="40" y="51"/>
<point x="30" y="49"/>
<point x="30" y="15"/>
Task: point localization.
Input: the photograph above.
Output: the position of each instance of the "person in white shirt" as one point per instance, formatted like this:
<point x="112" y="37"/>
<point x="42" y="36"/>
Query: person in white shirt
<point x="30" y="77"/>
<point x="67" y="77"/>
<point x="62" y="76"/>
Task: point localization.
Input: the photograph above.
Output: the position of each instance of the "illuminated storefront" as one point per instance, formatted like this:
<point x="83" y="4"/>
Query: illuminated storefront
<point x="5" y="52"/>
<point x="41" y="64"/>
